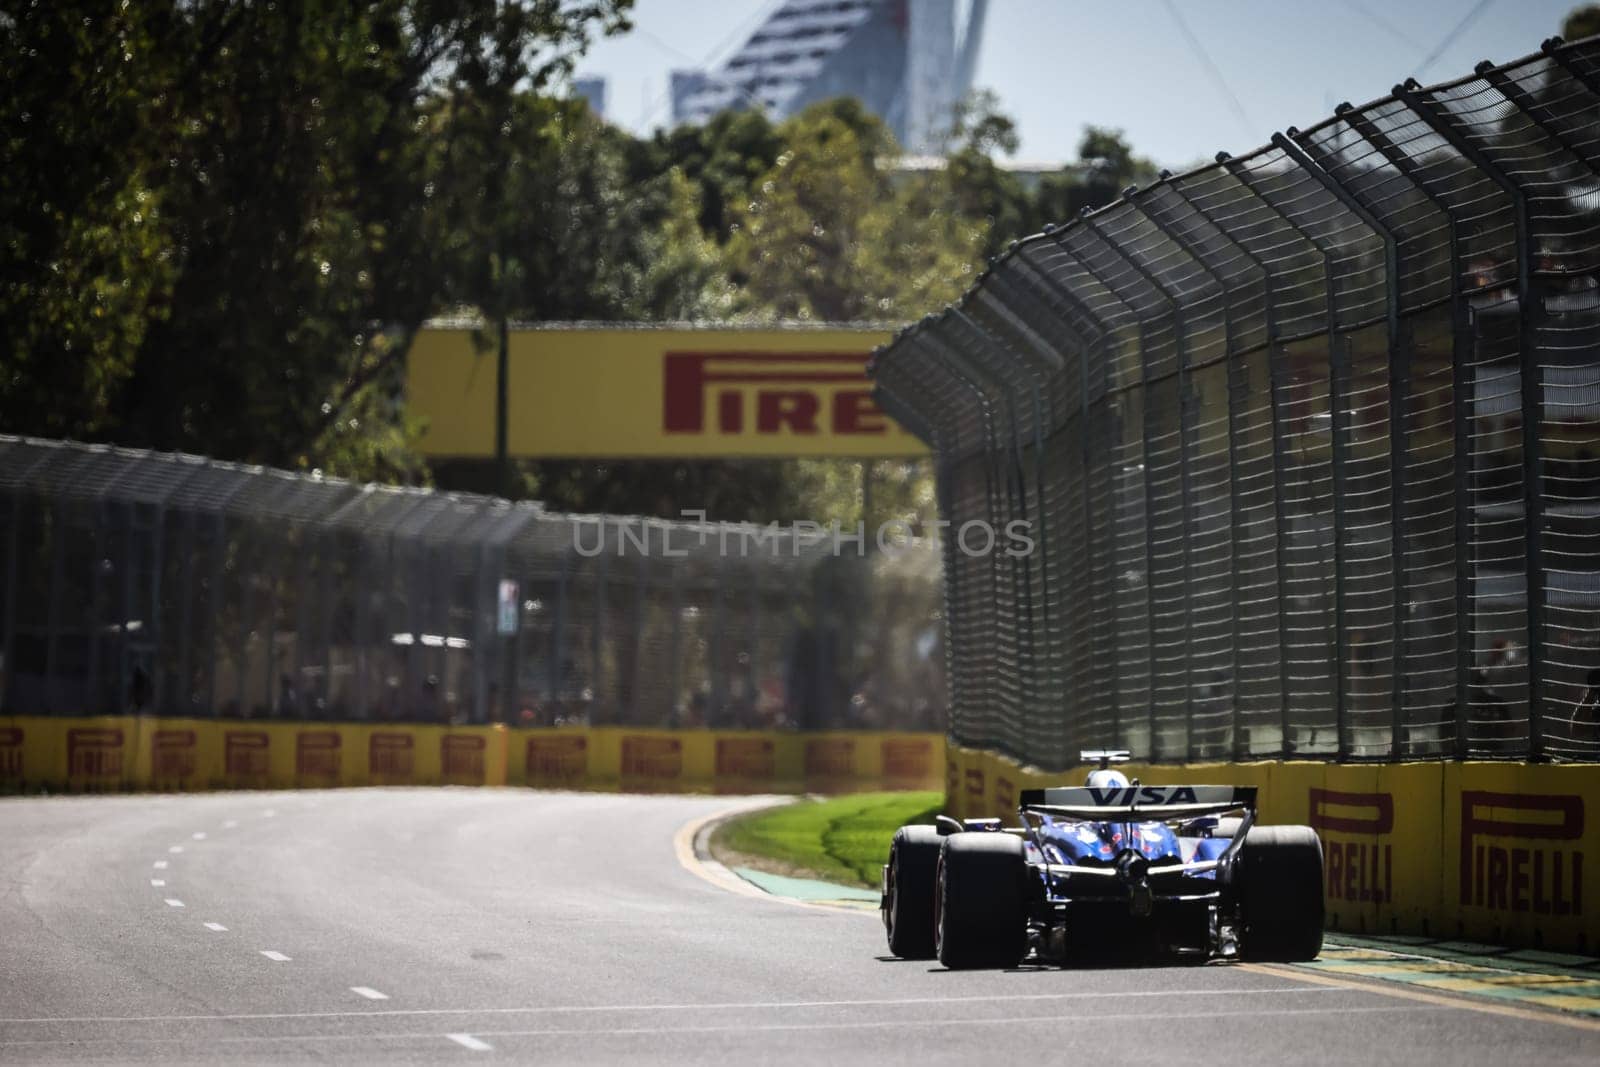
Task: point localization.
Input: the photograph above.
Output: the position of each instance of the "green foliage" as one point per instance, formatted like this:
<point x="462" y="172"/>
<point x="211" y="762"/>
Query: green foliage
<point x="86" y="264"/>
<point x="1581" y="22"/>
<point x="842" y="839"/>
<point x="222" y="225"/>
<point x="220" y="221"/>
<point x="827" y="235"/>
<point x="1106" y="166"/>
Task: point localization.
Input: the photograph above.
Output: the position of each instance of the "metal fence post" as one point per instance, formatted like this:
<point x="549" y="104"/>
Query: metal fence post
<point x="1185" y="427"/>
<point x="1101" y="346"/>
<point x="1144" y="458"/>
<point x="714" y="646"/>
<point x="8" y="623"/>
<point x="186" y="610"/>
<point x="1461" y="458"/>
<point x="1399" y="395"/>
<point x="1138" y="200"/>
<point x="974" y="381"/>
<point x="1041" y="291"/>
<point x="1338" y="383"/>
<point x="1042" y="547"/>
<point x="597" y="636"/>
<point x="1279" y="458"/>
<point x="641" y="582"/>
<point x="675" y="655"/>
<point x="8" y="663"/>
<point x="1529" y="305"/>
<point x="555" y="666"/>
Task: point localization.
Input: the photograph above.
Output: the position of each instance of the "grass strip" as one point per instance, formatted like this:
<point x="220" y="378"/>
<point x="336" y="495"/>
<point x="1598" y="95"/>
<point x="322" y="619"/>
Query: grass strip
<point x="841" y="839"/>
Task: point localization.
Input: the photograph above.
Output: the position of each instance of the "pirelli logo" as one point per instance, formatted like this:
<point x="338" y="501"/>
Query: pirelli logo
<point x="94" y="754"/>
<point x="1543" y="874"/>
<point x="246" y="756"/>
<point x="1359" y="871"/>
<point x="317" y="757"/>
<point x="908" y="759"/>
<point x="461" y="758"/>
<point x="11" y="753"/>
<point x="391" y="758"/>
<point x="562" y="758"/>
<point x="746" y="757"/>
<point x="652" y="757"/>
<point x="830" y="757"/>
<point x="173" y="754"/>
<point x="731" y="394"/>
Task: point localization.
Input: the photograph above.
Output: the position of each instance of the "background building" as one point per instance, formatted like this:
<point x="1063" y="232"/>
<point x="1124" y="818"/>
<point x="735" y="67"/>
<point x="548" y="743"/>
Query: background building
<point x="904" y="60"/>
<point x="594" y="91"/>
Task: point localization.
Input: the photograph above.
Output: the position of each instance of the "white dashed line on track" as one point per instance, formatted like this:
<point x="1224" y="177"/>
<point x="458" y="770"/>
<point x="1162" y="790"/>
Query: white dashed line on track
<point x="160" y="865"/>
<point x="230" y="824"/>
<point x="174" y="903"/>
<point x="175" y="849"/>
<point x="468" y="1041"/>
<point x="269" y="813"/>
<point x="276" y="957"/>
<point x="368" y="992"/>
<point x="217" y="927"/>
<point x="199" y="835"/>
<point x="158" y="882"/>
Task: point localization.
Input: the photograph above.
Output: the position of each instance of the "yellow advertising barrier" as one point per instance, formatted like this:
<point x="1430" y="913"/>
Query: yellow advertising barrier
<point x="172" y="755"/>
<point x="642" y="760"/>
<point x="1497" y="852"/>
<point x="631" y="391"/>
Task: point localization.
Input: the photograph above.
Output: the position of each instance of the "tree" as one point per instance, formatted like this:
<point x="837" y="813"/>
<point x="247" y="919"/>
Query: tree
<point x="981" y="187"/>
<point x="84" y="256"/>
<point x="1106" y="166"/>
<point x="827" y="235"/>
<point x="227" y="249"/>
<point x="1581" y="22"/>
<point x="721" y="159"/>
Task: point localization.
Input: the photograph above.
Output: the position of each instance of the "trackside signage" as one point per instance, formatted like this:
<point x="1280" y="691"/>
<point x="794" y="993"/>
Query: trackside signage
<point x="580" y="391"/>
<point x="1357" y="856"/>
<point x="1522" y="852"/>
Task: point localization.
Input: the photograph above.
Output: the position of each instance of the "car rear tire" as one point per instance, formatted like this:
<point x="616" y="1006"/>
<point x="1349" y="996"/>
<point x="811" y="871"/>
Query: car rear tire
<point x="982" y="918"/>
<point x="909" y="885"/>
<point x="1278" y="875"/>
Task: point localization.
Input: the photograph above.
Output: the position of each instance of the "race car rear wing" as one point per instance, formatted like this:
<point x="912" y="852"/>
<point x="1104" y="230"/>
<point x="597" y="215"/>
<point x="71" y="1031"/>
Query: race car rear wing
<point x="1158" y="801"/>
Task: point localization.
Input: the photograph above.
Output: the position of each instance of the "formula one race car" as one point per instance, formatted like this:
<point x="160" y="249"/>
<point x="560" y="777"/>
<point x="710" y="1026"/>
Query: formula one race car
<point x="1110" y="868"/>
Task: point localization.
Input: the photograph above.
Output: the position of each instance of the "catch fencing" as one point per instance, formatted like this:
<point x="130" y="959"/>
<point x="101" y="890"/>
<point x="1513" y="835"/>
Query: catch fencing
<point x="1309" y="440"/>
<point x="145" y="583"/>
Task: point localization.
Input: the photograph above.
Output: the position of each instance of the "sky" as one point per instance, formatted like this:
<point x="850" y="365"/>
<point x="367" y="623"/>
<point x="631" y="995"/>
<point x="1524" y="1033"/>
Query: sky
<point x="1243" y="69"/>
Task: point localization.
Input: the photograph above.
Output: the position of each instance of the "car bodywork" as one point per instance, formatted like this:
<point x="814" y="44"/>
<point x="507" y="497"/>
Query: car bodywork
<point x="1113" y="866"/>
<point x="1134" y="866"/>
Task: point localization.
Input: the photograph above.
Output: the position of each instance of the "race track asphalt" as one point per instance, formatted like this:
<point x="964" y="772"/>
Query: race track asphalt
<point x="445" y="925"/>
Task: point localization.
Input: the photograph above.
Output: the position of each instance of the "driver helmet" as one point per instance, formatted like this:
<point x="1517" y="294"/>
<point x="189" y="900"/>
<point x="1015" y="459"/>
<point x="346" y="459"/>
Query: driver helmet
<point x="1107" y="779"/>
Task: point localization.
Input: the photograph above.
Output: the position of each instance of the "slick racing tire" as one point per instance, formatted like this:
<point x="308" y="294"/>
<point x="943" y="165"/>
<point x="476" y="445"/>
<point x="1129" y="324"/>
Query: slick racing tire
<point x="1227" y="827"/>
<point x="982" y="918"/>
<point x="1278" y="876"/>
<point x="909" y="884"/>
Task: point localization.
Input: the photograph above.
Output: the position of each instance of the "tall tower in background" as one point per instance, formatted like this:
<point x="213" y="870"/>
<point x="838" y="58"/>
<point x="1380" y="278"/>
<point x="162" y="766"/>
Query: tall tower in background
<point x="594" y="91"/>
<point x="902" y="58"/>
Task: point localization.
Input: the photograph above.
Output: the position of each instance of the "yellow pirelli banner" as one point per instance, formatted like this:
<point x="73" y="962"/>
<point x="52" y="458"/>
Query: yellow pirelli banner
<point x="633" y="391"/>
<point x="124" y="753"/>
<point x="1498" y="852"/>
<point x="655" y="761"/>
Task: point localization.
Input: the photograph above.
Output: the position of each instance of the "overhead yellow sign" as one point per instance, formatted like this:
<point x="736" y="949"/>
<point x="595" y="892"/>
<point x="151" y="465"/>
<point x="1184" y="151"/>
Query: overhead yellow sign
<point x="577" y="391"/>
